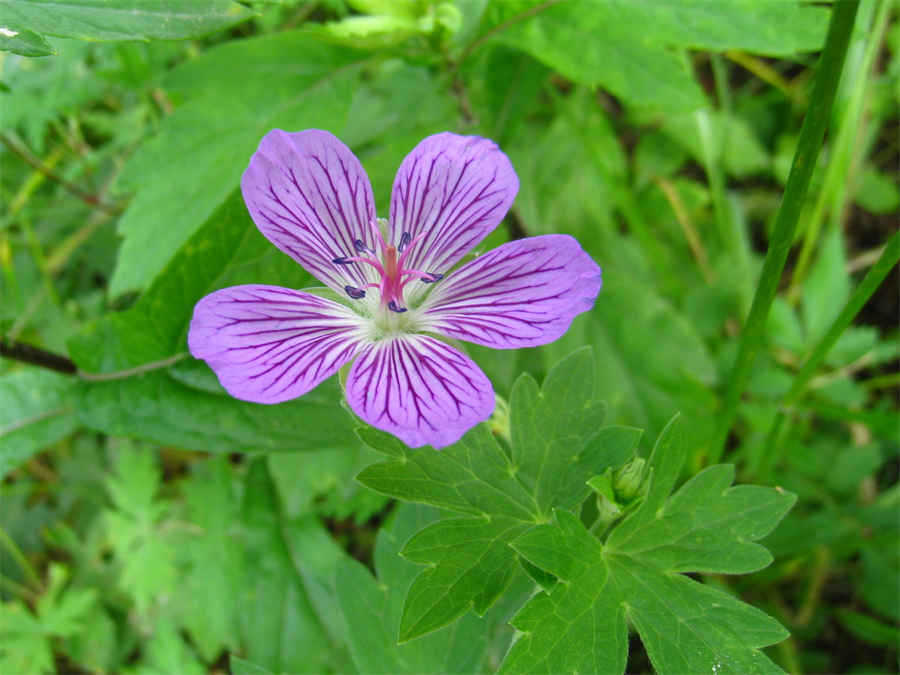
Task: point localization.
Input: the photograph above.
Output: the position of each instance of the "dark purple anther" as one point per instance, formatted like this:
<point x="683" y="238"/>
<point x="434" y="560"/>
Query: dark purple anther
<point x="404" y="241"/>
<point x="432" y="278"/>
<point x="361" y="247"/>
<point x="355" y="293"/>
<point x="392" y="305"/>
<point x="341" y="261"/>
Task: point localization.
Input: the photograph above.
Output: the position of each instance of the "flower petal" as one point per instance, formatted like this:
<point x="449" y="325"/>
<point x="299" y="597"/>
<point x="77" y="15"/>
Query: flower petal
<point x="455" y="190"/>
<point x="310" y="196"/>
<point x="269" y="344"/>
<point x="419" y="389"/>
<point x="522" y="294"/>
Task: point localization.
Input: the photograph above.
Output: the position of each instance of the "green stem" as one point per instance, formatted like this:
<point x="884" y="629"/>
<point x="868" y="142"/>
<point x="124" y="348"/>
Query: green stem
<point x="845" y="154"/>
<point x="17" y="555"/>
<point x="811" y="136"/>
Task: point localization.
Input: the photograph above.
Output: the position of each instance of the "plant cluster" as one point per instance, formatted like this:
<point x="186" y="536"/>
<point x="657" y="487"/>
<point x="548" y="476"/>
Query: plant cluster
<point x="700" y="475"/>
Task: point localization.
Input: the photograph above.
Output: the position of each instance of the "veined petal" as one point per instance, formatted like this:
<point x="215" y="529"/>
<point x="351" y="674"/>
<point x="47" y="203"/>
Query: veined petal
<point x="419" y="389"/>
<point x="269" y="344"/>
<point x="452" y="191"/>
<point x="522" y="294"/>
<point x="310" y="196"/>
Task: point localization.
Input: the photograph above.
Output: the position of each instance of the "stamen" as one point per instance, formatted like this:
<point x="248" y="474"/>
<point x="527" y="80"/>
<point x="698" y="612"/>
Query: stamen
<point x="404" y="241"/>
<point x="410" y="245"/>
<point x="392" y="305"/>
<point x="361" y="247"/>
<point x="342" y="260"/>
<point x="355" y="293"/>
<point x="377" y="236"/>
<point x="424" y="277"/>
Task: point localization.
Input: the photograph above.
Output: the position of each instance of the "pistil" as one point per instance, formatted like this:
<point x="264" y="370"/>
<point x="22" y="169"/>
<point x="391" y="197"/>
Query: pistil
<point x="394" y="276"/>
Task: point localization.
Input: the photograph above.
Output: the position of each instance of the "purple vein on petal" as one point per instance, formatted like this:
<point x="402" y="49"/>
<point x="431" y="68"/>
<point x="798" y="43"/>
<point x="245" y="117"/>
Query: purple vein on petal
<point x="523" y="293"/>
<point x="269" y="344"/>
<point x="309" y="195"/>
<point x="419" y="389"/>
<point x="455" y="189"/>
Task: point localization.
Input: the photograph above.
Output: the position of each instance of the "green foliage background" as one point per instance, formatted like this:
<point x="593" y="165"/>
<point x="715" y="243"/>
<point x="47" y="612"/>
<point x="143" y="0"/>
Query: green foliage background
<point x="151" y="524"/>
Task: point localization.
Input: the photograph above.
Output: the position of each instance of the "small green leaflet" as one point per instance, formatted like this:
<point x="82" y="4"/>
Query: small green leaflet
<point x="372" y="609"/>
<point x="144" y="550"/>
<point x="557" y="444"/>
<point x="123" y="19"/>
<point x="686" y="626"/>
<point x="59" y="613"/>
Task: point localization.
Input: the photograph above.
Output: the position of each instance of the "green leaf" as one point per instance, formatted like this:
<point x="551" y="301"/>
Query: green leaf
<point x="160" y="407"/>
<point x="32" y="652"/>
<point x="625" y="46"/>
<point x="372" y="608"/>
<point x="241" y="667"/>
<point x="195" y="163"/>
<point x="23" y="41"/>
<point x="230" y="97"/>
<point x="145" y="553"/>
<point x="827" y="288"/>
<point x="123" y="19"/>
<point x="642" y="379"/>
<point x="35" y="411"/>
<point x="559" y="446"/>
<point x="278" y="624"/>
<point x="208" y="601"/>
<point x="877" y="192"/>
<point x="686" y="626"/>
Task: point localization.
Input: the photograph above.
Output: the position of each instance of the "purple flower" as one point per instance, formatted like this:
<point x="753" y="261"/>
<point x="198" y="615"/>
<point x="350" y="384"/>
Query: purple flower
<point x="394" y="284"/>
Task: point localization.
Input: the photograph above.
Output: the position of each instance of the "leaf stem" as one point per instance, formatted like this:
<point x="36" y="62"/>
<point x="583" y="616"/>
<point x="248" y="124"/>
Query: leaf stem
<point x="20" y="351"/>
<point x="17" y="555"/>
<point x="845" y="154"/>
<point x="17" y="147"/>
<point x="811" y="137"/>
<point x="500" y="27"/>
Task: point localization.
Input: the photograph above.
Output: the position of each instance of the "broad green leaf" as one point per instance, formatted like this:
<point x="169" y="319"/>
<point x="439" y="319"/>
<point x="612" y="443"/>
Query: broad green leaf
<point x="22" y="41"/>
<point x="181" y="176"/>
<point x="626" y="46"/>
<point x="686" y="626"/>
<point x="35" y="411"/>
<point x="501" y="494"/>
<point x="574" y="38"/>
<point x="372" y="608"/>
<point x="230" y="97"/>
<point x="278" y="624"/>
<point x="123" y="19"/>
<point x="156" y="406"/>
